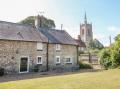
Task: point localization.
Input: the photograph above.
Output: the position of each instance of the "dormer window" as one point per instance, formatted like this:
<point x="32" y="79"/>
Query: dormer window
<point x="57" y="46"/>
<point x="39" y="46"/>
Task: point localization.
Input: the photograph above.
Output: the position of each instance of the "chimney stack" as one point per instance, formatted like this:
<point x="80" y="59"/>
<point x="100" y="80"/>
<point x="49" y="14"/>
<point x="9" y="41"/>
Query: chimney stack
<point x="37" y="22"/>
<point x="61" y="26"/>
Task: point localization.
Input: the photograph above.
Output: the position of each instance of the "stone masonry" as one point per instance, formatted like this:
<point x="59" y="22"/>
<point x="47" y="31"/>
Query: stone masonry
<point x="12" y="51"/>
<point x="66" y="51"/>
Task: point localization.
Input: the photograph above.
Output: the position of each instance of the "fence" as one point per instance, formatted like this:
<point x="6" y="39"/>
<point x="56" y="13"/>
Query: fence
<point x="90" y="58"/>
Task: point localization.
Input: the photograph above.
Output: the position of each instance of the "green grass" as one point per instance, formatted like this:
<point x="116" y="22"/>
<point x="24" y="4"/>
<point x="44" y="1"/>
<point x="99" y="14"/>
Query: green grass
<point x="109" y="79"/>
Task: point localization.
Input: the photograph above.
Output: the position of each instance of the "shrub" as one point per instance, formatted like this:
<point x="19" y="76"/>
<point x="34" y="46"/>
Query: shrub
<point x="115" y="55"/>
<point x="85" y="66"/>
<point x="1" y="71"/>
<point x="105" y="58"/>
<point x="110" y="57"/>
<point x="36" y="68"/>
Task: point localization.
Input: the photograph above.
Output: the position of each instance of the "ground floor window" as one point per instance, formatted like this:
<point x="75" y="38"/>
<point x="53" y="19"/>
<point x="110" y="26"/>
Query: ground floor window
<point x="39" y="60"/>
<point x="57" y="60"/>
<point x="68" y="60"/>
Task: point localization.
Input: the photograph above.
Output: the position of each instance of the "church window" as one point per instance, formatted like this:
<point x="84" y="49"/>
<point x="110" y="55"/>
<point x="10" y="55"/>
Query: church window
<point x="82" y="31"/>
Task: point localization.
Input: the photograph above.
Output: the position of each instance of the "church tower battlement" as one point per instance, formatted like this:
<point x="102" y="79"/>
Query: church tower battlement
<point x="86" y="33"/>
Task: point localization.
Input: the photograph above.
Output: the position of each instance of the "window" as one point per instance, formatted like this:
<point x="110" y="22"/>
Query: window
<point x="68" y="60"/>
<point x="39" y="60"/>
<point x="39" y="46"/>
<point x="82" y="31"/>
<point x="57" y="46"/>
<point x="57" y="59"/>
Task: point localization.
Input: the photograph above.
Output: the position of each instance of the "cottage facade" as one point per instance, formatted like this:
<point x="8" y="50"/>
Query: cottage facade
<point x="62" y="49"/>
<point x="18" y="48"/>
<point x="23" y="47"/>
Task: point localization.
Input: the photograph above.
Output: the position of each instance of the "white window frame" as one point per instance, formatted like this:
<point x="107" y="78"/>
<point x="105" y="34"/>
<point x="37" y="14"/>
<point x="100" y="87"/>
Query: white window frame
<point x="58" y="47"/>
<point x="37" y="60"/>
<point x="69" y="61"/>
<point x="39" y="46"/>
<point x="56" y="59"/>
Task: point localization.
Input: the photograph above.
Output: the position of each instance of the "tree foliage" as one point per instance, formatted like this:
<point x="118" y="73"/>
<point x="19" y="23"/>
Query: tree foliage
<point x="95" y="44"/>
<point x="104" y="56"/>
<point x="47" y="23"/>
<point x="110" y="57"/>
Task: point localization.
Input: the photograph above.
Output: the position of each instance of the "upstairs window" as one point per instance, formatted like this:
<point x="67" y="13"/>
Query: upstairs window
<point x="57" y="46"/>
<point x="39" y="60"/>
<point x="57" y="59"/>
<point x="39" y="46"/>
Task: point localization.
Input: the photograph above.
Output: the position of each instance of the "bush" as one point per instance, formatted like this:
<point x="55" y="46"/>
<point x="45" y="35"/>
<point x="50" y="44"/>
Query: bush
<point x="110" y="57"/>
<point x="1" y="71"/>
<point x="105" y="58"/>
<point x="115" y="55"/>
<point x="36" y="68"/>
<point x="84" y="66"/>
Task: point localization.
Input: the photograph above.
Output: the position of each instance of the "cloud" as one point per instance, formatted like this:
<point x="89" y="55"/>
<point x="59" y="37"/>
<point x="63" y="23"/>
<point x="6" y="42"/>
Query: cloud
<point x="98" y="36"/>
<point x="103" y="39"/>
<point x="73" y="31"/>
<point x="114" y="29"/>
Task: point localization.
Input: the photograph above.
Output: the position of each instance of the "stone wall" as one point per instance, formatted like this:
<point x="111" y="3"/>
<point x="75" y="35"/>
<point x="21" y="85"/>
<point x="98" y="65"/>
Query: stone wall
<point x="92" y="58"/>
<point x="12" y="51"/>
<point x="43" y="54"/>
<point x="66" y="51"/>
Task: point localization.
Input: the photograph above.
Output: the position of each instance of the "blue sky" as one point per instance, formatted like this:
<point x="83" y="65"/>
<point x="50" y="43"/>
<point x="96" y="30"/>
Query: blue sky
<point x="104" y="14"/>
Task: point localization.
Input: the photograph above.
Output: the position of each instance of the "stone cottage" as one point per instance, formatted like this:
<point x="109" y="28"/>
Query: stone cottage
<point x="20" y="47"/>
<point x="62" y="49"/>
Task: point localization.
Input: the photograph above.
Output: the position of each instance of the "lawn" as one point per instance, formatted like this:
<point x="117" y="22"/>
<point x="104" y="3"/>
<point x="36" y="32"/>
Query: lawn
<point x="108" y="79"/>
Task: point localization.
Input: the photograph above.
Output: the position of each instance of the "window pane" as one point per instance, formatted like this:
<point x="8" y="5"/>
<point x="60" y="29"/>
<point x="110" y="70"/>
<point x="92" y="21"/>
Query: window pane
<point x="68" y="60"/>
<point x="39" y="60"/>
<point x="58" y="59"/>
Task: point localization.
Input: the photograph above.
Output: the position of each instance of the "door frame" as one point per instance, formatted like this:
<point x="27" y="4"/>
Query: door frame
<point x="27" y="64"/>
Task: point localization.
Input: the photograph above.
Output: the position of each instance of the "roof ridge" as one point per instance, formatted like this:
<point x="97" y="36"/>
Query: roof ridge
<point x="52" y="29"/>
<point x="17" y="23"/>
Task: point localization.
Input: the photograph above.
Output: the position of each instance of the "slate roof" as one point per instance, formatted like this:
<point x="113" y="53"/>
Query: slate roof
<point x="14" y="31"/>
<point x="57" y="36"/>
<point x="80" y="43"/>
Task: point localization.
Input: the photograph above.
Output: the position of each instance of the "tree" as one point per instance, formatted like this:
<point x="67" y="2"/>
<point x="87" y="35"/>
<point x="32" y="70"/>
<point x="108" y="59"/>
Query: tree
<point x="110" y="58"/>
<point x="115" y="56"/>
<point x="117" y="38"/>
<point x="95" y="44"/>
<point x="46" y="23"/>
<point x="105" y="56"/>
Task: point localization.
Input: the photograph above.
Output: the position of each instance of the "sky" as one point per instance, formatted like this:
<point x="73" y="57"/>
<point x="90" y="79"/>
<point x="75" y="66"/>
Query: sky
<point x="103" y="14"/>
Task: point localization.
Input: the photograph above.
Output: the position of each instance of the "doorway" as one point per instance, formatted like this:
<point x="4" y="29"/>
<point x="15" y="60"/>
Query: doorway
<point x="24" y="65"/>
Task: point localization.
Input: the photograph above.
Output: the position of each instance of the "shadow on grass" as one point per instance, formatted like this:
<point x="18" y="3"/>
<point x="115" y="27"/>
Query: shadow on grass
<point x="16" y="77"/>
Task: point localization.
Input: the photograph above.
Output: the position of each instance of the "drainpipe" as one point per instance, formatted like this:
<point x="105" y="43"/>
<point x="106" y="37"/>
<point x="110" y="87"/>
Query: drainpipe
<point x="77" y="55"/>
<point x="47" y="59"/>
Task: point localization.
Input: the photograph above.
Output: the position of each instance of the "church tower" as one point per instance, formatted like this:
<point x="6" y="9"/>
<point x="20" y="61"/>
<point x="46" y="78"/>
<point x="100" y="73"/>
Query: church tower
<point x="86" y="33"/>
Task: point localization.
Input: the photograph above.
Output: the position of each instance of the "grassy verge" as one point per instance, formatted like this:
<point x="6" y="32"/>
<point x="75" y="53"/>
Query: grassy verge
<point x="108" y="79"/>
